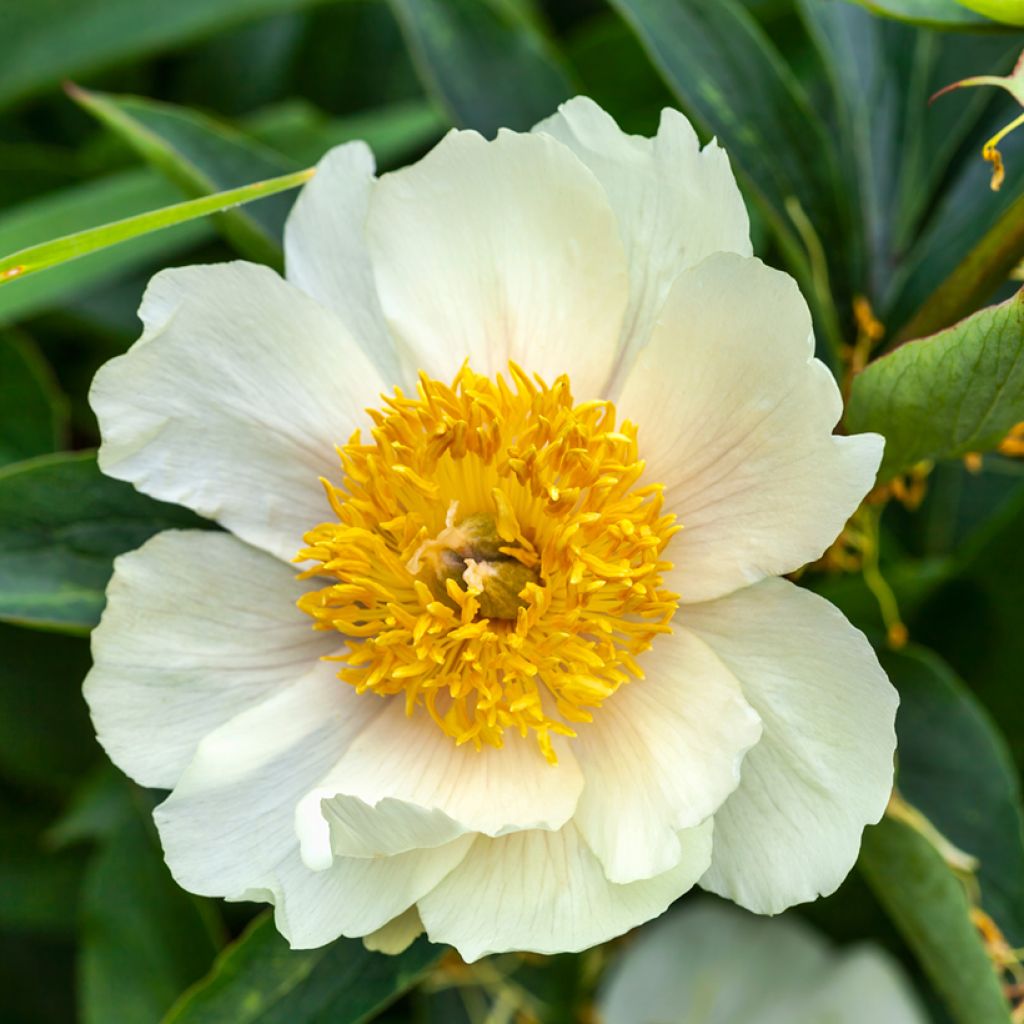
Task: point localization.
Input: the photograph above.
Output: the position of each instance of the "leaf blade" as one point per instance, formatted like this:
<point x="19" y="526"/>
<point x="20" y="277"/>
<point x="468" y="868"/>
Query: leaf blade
<point x="259" y="979"/>
<point x="62" y="523"/>
<point x="959" y="391"/>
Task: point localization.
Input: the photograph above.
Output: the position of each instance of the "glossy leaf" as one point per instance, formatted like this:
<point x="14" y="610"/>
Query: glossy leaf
<point x="202" y="156"/>
<point x="143" y="938"/>
<point x="486" y="65"/>
<point x="49" y="40"/>
<point x="955" y="768"/>
<point x="729" y="75"/>
<point x="259" y="980"/>
<point x="33" y="412"/>
<point x="62" y="522"/>
<point x="958" y="391"/>
<point x="49" y="254"/>
<point x="929" y="905"/>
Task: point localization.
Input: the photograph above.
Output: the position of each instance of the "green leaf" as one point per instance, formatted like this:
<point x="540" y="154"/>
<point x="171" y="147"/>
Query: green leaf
<point x="975" y="278"/>
<point x="975" y="620"/>
<point x="958" y="391"/>
<point x="46" y="739"/>
<point x="50" y="254"/>
<point x="62" y="523"/>
<point x="955" y="768"/>
<point x="946" y="14"/>
<point x="485" y="63"/>
<point x="33" y="412"/>
<point x="259" y="979"/>
<point x="929" y="905"/>
<point x="202" y="156"/>
<point x="50" y="40"/>
<point x="84" y="206"/>
<point x="727" y="73"/>
<point x="143" y="938"/>
<point x="40" y="886"/>
<point x="303" y="132"/>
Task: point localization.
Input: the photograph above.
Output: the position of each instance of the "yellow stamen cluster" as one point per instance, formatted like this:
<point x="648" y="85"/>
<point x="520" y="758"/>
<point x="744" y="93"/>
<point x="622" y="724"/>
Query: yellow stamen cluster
<point x="502" y="482"/>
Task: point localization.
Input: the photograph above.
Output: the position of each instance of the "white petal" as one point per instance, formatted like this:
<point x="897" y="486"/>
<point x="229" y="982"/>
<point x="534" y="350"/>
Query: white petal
<point x="545" y="892"/>
<point x="866" y="985"/>
<point x="228" y="827"/>
<point x="425" y="790"/>
<point x="660" y="756"/>
<point x="397" y="935"/>
<point x="198" y="627"/>
<point x="824" y="766"/>
<point x="498" y="251"/>
<point x="686" y="963"/>
<point x="326" y="254"/>
<point x="735" y="418"/>
<point x="684" y="967"/>
<point x="675" y="202"/>
<point x="232" y="401"/>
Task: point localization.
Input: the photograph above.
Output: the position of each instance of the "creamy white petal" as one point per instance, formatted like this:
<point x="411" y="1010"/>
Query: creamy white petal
<point x="545" y="892"/>
<point x="498" y="251"/>
<point x="397" y="935"/>
<point x="676" y="203"/>
<point x="684" y="967"/>
<point x="228" y="827"/>
<point x="735" y="418"/>
<point x="426" y="791"/>
<point x="686" y="964"/>
<point x="232" y="401"/>
<point x="661" y="755"/>
<point x="824" y="766"/>
<point x="326" y="254"/>
<point x="198" y="627"/>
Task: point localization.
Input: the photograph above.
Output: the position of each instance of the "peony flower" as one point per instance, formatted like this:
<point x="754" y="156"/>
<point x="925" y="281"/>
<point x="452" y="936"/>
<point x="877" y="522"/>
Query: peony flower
<point x="491" y="643"/>
<point x="712" y="964"/>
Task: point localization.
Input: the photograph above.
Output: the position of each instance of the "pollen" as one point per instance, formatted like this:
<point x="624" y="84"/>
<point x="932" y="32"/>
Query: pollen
<point x="495" y="559"/>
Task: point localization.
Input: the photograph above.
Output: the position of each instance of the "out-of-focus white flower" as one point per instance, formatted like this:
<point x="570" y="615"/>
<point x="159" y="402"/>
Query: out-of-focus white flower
<point x="536" y="678"/>
<point x="708" y="963"/>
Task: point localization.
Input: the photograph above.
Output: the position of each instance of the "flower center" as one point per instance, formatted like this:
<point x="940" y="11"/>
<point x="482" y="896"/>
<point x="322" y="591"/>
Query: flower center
<point x="494" y="558"/>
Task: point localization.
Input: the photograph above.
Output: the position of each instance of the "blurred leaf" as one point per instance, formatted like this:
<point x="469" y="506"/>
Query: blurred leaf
<point x="70" y="247"/>
<point x="48" y="40"/>
<point x="929" y="905"/>
<point x="259" y="979"/>
<point x="958" y="391"/>
<point x="726" y="71"/>
<point x="933" y="13"/>
<point x="202" y="156"/>
<point x="615" y="72"/>
<point x="46" y="739"/>
<point x="972" y="282"/>
<point x="955" y="768"/>
<point x="37" y="979"/>
<point x="38" y="887"/>
<point x="304" y="133"/>
<point x="143" y="938"/>
<point x="975" y="619"/>
<point x="484" y="62"/>
<point x="83" y="206"/>
<point x="62" y="522"/>
<point x="33" y="412"/>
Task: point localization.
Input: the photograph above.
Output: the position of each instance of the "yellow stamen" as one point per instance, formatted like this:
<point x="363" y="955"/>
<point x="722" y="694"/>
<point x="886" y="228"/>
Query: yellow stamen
<point x="494" y="560"/>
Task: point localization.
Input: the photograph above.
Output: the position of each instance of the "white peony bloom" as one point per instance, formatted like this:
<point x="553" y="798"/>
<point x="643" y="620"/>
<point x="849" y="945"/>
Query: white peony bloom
<point x="536" y="677"/>
<point x="708" y="963"/>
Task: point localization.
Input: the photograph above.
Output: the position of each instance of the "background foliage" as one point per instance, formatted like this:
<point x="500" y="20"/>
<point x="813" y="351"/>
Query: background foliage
<point x="875" y="200"/>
